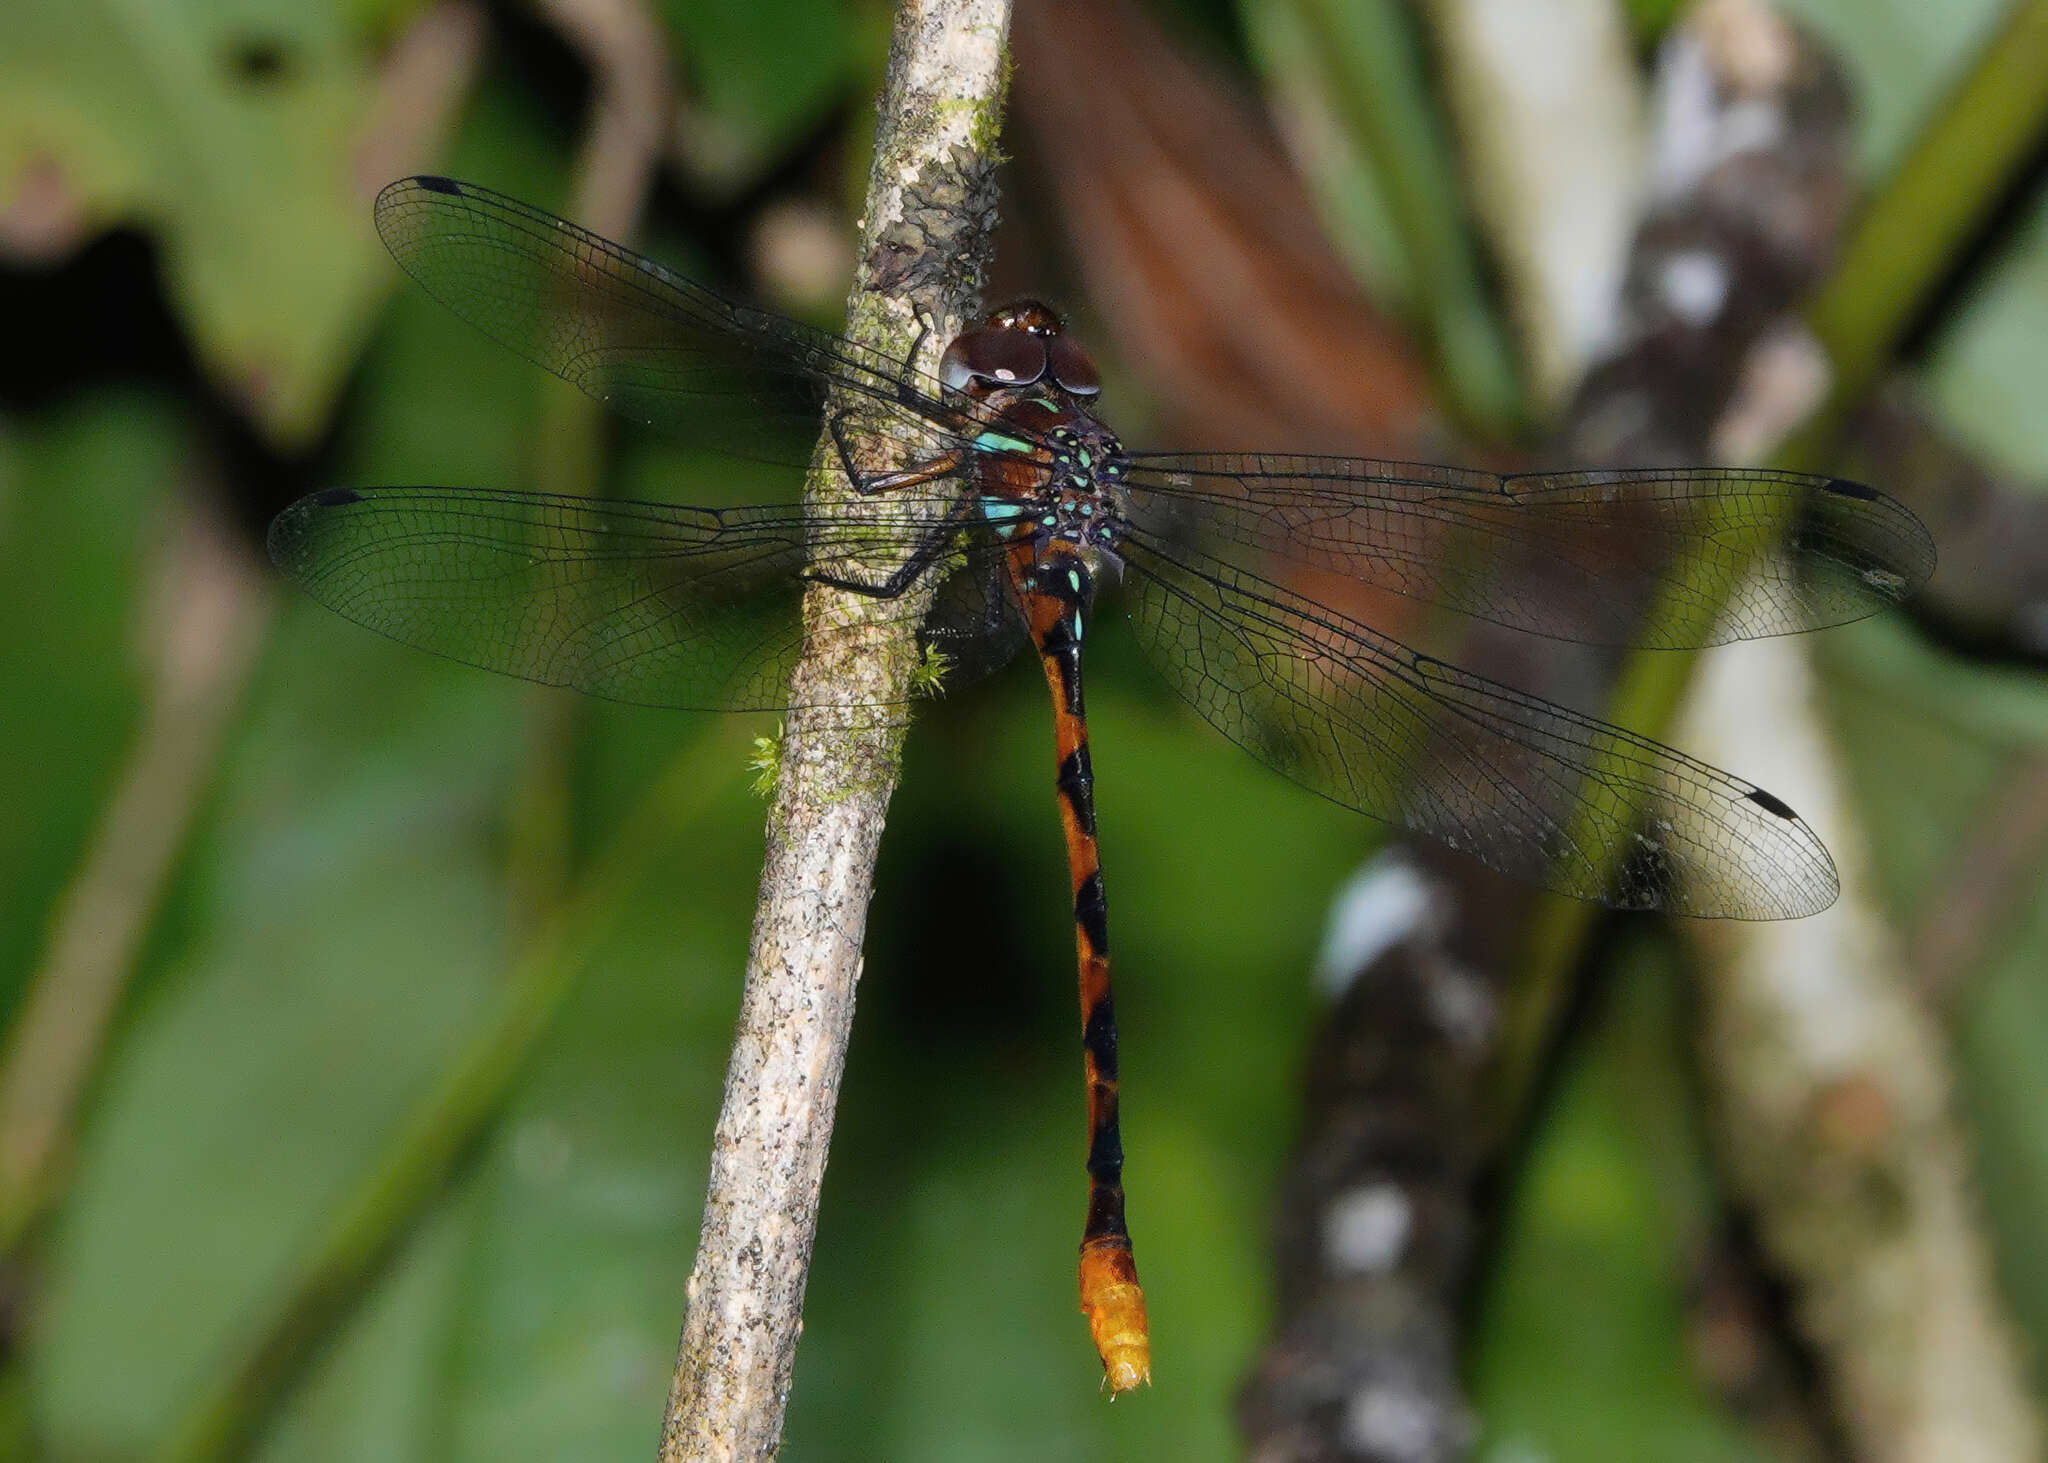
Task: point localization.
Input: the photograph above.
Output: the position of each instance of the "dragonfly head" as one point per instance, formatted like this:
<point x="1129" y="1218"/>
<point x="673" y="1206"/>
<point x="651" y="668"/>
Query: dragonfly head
<point x="1019" y="345"/>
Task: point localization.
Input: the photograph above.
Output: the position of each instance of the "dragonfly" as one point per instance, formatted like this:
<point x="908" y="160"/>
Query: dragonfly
<point x="1014" y="504"/>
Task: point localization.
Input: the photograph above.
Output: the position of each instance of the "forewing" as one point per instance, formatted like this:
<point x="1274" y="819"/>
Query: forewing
<point x="1737" y="553"/>
<point x="637" y="602"/>
<point x="657" y="347"/>
<point x="1529" y="788"/>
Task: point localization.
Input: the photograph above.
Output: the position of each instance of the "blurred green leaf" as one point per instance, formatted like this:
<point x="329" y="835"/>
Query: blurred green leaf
<point x="1925" y="738"/>
<point x="1652" y="17"/>
<point x="1345" y="183"/>
<point x="1989" y="359"/>
<point x="381" y="1392"/>
<point x="588" y="1196"/>
<point x="83" y="498"/>
<point x="1580" y="1352"/>
<point x="761" y="74"/>
<point x="346" y="925"/>
<point x="227" y="130"/>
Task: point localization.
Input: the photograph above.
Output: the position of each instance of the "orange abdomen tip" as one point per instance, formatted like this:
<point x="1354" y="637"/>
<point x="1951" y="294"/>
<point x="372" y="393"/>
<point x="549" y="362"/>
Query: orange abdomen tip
<point x="1114" y="1304"/>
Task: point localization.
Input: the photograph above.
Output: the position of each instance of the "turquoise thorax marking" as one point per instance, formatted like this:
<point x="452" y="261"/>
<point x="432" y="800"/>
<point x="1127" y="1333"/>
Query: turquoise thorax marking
<point x="1074" y="502"/>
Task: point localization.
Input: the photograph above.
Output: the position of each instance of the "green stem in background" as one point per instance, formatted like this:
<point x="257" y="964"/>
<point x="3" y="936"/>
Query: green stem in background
<point x="1958" y="168"/>
<point x="228" y="1411"/>
<point x="1369" y="57"/>
<point x="1903" y="245"/>
<point x="567" y="458"/>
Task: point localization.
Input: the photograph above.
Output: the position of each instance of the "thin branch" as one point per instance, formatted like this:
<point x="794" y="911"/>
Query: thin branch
<point x="925" y="232"/>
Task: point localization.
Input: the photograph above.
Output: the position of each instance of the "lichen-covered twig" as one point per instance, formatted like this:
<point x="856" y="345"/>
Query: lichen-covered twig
<point x="929" y="208"/>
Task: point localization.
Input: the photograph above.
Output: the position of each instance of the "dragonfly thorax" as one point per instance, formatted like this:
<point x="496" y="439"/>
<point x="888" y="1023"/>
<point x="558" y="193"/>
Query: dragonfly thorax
<point x="1085" y="491"/>
<point x="1072" y="487"/>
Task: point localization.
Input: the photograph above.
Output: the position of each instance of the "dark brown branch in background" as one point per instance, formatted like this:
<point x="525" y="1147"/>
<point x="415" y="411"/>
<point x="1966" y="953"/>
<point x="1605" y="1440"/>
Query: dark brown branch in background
<point x="1761" y="222"/>
<point x="1828" y="1078"/>
<point x="1725" y="254"/>
<point x="926" y="231"/>
<point x="1990" y="590"/>
<point x="1363" y="1368"/>
<point x="1375" y="1225"/>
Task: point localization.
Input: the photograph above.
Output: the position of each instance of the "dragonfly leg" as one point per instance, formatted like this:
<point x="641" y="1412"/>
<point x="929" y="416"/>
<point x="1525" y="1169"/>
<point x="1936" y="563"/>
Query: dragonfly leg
<point x="925" y="328"/>
<point x="867" y="484"/>
<point x="991" y="596"/>
<point x="929" y="547"/>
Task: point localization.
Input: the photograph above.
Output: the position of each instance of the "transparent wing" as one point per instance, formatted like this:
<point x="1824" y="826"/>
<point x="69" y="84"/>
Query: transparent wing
<point x="638" y="602"/>
<point x="1752" y="552"/>
<point x="659" y="348"/>
<point x="1529" y="788"/>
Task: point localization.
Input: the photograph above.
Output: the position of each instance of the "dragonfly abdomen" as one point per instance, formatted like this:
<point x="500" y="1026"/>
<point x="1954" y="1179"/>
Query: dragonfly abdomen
<point x="1055" y="582"/>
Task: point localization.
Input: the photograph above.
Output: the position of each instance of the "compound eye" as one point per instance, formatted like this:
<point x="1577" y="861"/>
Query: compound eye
<point x="1070" y="366"/>
<point x="1003" y="357"/>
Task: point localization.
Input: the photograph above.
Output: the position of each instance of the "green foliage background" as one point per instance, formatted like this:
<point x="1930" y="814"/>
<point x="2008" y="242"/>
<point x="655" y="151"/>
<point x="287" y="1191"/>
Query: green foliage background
<point x="341" y="915"/>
